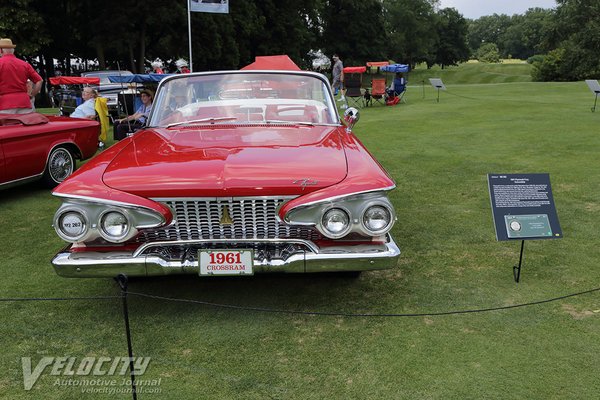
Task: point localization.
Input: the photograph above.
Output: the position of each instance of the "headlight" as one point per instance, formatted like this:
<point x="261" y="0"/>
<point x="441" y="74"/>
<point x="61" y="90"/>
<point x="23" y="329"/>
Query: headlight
<point x="114" y="226"/>
<point x="71" y="226"/>
<point x="376" y="219"/>
<point x="336" y="223"/>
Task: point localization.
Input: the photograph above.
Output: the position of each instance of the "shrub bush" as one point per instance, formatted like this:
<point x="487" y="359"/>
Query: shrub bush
<point x="488" y="53"/>
<point x="539" y="58"/>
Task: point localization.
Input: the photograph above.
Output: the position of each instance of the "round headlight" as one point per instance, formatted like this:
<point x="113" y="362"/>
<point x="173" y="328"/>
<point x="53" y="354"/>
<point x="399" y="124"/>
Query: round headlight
<point x="71" y="226"/>
<point x="376" y="219"/>
<point x="336" y="222"/>
<point x="114" y="225"/>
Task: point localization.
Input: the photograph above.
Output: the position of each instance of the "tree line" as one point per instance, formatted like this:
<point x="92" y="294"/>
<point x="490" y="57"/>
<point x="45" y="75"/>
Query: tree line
<point x="562" y="43"/>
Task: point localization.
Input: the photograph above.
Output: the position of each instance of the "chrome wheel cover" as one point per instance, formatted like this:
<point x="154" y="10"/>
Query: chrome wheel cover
<point x="60" y="165"/>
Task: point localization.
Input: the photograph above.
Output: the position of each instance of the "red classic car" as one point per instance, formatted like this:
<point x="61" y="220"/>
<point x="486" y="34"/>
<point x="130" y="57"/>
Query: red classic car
<point x="237" y="172"/>
<point x="35" y="146"/>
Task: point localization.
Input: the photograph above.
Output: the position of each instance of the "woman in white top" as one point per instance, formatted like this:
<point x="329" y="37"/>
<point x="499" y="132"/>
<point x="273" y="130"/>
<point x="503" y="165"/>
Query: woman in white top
<point x="87" y="108"/>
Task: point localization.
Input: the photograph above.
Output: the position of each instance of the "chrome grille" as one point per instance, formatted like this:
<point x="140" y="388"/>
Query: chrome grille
<point x="251" y="218"/>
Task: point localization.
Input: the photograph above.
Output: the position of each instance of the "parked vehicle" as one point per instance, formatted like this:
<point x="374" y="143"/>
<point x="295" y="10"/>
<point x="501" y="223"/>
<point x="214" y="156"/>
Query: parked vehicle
<point x="108" y="89"/>
<point x="237" y="172"/>
<point x="34" y="146"/>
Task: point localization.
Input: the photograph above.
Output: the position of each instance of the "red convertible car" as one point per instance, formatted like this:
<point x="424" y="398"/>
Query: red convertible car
<point x="35" y="146"/>
<point x="237" y="172"/>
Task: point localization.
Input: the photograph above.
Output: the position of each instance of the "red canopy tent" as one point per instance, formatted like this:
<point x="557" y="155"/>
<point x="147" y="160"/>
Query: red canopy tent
<point x="281" y="62"/>
<point x="355" y="70"/>
<point x="74" y="80"/>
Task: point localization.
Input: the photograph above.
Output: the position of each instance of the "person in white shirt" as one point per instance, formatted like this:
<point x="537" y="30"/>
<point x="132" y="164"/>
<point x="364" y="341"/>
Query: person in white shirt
<point x="87" y="108"/>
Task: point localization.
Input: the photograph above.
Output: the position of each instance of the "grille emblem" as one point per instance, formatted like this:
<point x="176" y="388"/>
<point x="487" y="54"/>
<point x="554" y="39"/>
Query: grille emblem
<point x="225" y="218"/>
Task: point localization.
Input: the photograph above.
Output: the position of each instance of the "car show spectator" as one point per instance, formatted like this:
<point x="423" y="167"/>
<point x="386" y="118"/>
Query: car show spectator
<point x="182" y="66"/>
<point x="87" y="109"/>
<point x="338" y="76"/>
<point x="137" y="120"/>
<point x="15" y="97"/>
<point x="157" y="66"/>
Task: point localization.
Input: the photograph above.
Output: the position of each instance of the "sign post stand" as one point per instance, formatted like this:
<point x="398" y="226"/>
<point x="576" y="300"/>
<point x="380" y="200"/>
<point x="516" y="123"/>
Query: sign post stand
<point x="523" y="209"/>
<point x="439" y="85"/>
<point x="595" y="88"/>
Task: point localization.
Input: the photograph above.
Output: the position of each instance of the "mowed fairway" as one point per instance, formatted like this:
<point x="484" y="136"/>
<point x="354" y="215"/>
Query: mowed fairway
<point x="439" y="155"/>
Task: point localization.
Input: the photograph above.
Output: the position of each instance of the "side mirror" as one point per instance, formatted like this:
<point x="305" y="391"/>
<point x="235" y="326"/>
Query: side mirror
<point x="351" y="116"/>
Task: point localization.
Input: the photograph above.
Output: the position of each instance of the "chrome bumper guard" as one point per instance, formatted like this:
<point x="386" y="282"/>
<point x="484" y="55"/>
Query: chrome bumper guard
<point x="147" y="262"/>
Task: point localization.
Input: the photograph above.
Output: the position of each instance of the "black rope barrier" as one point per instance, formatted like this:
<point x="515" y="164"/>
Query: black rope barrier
<point x="126" y="292"/>
<point x="341" y="314"/>
<point x="16" y="299"/>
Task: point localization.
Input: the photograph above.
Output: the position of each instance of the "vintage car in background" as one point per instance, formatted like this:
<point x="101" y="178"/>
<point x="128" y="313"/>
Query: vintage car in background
<point x="237" y="172"/>
<point x="108" y="89"/>
<point x="35" y="146"/>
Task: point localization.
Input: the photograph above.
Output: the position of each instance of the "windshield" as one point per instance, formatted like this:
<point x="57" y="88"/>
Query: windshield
<point x="244" y="98"/>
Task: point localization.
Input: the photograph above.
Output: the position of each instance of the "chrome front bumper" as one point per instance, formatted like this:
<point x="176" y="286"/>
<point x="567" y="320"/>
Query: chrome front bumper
<point x="313" y="259"/>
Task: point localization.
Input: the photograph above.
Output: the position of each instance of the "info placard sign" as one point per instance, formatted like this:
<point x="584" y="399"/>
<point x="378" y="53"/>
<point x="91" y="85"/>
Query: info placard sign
<point x="523" y="207"/>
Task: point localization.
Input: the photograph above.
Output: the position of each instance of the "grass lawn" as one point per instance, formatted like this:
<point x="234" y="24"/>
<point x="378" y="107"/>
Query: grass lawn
<point x="439" y="155"/>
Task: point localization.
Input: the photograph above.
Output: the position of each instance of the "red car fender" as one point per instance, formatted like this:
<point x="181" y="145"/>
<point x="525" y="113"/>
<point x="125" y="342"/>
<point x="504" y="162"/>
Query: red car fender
<point x="365" y="174"/>
<point x="86" y="183"/>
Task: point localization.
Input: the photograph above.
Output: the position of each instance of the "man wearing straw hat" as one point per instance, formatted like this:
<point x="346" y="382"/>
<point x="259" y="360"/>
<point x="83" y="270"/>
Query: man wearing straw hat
<point x="14" y="73"/>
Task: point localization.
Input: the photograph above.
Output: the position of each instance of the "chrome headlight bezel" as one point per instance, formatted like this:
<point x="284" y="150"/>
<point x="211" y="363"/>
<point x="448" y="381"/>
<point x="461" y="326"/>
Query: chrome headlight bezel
<point x="355" y="205"/>
<point x="94" y="212"/>
<point x="327" y="232"/>
<point x="103" y="231"/>
<point x="380" y="231"/>
<point x="58" y="225"/>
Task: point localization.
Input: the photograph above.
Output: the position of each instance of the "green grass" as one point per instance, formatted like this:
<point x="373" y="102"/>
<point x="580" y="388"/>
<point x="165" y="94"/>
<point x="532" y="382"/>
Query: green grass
<point x="473" y="73"/>
<point x="439" y="155"/>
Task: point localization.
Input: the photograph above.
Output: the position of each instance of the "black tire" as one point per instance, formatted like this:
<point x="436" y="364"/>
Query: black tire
<point x="61" y="164"/>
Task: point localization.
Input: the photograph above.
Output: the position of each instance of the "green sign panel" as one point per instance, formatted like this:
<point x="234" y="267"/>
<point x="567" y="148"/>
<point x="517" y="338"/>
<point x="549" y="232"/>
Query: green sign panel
<point x="527" y="226"/>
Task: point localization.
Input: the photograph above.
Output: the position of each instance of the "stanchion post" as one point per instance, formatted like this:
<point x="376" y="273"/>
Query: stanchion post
<point x="517" y="269"/>
<point x="122" y="280"/>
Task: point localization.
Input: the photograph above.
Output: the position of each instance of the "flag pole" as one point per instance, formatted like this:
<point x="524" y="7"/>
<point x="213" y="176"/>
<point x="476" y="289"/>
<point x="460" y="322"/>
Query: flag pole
<point x="190" y="34"/>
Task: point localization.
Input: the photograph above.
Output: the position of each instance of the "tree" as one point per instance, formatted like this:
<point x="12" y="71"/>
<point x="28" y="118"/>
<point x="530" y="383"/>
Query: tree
<point x="578" y="24"/>
<point x="355" y="30"/>
<point x="452" y="32"/>
<point x="488" y="53"/>
<point x="488" y="29"/>
<point x="24" y="25"/>
<point x="410" y="25"/>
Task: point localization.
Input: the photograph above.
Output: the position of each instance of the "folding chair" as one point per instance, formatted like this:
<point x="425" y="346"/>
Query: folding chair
<point x="353" y="85"/>
<point x="378" y="89"/>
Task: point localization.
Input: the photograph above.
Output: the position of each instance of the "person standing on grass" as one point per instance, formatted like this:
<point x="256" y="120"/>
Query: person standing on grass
<point x="15" y="98"/>
<point x="338" y="76"/>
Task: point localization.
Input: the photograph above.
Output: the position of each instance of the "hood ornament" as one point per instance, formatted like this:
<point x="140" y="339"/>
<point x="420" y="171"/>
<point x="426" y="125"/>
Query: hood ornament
<point x="304" y="182"/>
<point x="226" y="218"/>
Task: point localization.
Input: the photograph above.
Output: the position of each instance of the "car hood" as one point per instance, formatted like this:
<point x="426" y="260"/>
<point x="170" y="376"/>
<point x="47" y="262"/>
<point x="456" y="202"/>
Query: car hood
<point x="229" y="161"/>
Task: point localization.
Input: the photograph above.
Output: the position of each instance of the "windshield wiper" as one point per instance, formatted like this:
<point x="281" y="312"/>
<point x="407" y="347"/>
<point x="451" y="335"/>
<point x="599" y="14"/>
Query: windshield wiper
<point x="196" y="121"/>
<point x="277" y="121"/>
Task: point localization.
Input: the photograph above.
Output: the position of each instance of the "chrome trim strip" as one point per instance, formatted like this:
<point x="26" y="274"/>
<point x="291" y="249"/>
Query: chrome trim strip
<point x="22" y="180"/>
<point x="229" y="198"/>
<point x="104" y="202"/>
<point x="138" y="252"/>
<point x="386" y="189"/>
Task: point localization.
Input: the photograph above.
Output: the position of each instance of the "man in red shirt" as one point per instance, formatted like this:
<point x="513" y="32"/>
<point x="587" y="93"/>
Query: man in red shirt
<point x="14" y="73"/>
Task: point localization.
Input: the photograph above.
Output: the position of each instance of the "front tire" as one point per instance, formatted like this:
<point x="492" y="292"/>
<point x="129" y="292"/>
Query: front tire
<point x="60" y="166"/>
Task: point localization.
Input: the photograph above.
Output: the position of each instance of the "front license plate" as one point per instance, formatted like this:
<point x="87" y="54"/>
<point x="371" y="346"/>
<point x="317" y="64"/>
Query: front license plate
<point x="226" y="262"/>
